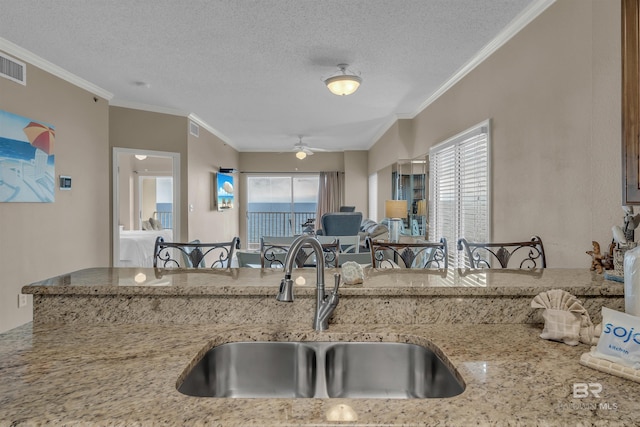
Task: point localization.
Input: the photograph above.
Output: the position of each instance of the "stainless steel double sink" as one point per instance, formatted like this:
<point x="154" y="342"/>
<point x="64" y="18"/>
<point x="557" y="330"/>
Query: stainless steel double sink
<point x="271" y="369"/>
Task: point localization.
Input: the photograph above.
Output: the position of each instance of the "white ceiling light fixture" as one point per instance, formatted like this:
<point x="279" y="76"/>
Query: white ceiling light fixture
<point x="301" y="154"/>
<point x="343" y="83"/>
<point x="140" y="156"/>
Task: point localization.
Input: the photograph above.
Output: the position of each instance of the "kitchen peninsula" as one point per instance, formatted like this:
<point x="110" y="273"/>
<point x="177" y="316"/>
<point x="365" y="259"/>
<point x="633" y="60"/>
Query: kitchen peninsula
<point x="107" y="347"/>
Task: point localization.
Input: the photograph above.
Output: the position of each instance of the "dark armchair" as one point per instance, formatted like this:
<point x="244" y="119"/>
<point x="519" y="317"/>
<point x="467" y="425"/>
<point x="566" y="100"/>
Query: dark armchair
<point x="347" y="209"/>
<point x="340" y="224"/>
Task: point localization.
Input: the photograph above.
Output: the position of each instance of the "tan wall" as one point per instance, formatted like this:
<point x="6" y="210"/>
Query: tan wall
<point x="287" y="162"/>
<point x="40" y="240"/>
<point x="148" y="198"/>
<point x="397" y="143"/>
<point x="126" y="216"/>
<point x="131" y="128"/>
<point x="553" y="95"/>
<point x="207" y="154"/>
<point x="356" y="180"/>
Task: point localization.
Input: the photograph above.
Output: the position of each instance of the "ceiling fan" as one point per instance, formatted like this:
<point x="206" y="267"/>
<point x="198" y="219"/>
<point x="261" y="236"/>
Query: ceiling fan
<point x="303" y="150"/>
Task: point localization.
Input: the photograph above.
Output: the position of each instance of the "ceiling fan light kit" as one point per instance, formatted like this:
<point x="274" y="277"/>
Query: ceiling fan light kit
<point x="302" y="150"/>
<point x="344" y="83"/>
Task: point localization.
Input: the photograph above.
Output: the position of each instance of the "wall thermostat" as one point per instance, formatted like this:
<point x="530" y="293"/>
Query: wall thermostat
<point x="65" y="182"/>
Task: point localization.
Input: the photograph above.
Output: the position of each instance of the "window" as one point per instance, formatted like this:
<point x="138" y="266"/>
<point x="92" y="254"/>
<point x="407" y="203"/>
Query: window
<point x="459" y="202"/>
<point x="279" y="205"/>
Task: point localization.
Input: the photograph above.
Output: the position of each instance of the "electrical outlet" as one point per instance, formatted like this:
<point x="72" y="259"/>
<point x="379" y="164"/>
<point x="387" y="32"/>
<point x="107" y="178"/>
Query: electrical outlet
<point x="22" y="300"/>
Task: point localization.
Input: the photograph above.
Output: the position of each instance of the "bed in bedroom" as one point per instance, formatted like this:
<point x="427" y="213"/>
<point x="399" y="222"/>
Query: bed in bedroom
<point x="136" y="246"/>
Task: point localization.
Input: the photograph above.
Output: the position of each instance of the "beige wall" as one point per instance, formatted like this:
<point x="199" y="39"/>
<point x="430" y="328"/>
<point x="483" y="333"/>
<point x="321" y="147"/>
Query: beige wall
<point x="287" y="162"/>
<point x="207" y="154"/>
<point x="397" y="143"/>
<point x="148" y="198"/>
<point x="553" y="95"/>
<point x="356" y="178"/>
<point x="126" y="193"/>
<point x="41" y="240"/>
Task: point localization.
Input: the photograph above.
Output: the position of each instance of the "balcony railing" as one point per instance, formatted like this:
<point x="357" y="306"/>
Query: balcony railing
<point x="274" y="224"/>
<point x="165" y="218"/>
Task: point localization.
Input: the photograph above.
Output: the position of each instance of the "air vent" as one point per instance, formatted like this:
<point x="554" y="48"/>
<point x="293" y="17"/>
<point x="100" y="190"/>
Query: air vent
<point x="13" y="69"/>
<point x="194" y="129"/>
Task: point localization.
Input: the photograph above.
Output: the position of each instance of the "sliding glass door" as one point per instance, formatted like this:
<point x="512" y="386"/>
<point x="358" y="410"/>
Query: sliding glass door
<point x="280" y="205"/>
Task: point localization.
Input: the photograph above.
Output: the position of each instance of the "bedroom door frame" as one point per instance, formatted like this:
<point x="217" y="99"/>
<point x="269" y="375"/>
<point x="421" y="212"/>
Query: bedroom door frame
<point x="115" y="202"/>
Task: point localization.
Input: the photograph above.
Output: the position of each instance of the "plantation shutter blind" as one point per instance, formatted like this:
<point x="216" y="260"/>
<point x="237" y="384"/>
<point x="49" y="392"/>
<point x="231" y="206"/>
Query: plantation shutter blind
<point x="459" y="203"/>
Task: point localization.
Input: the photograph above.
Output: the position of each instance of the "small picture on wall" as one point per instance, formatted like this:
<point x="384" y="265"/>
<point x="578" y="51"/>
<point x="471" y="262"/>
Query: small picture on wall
<point x="27" y="163"/>
<point x="224" y="194"/>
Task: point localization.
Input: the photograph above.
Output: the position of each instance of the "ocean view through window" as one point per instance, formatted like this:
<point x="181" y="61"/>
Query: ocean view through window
<point x="279" y="205"/>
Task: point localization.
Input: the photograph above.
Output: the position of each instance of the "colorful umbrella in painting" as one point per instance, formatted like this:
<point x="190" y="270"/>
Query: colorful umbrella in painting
<point x="40" y="136"/>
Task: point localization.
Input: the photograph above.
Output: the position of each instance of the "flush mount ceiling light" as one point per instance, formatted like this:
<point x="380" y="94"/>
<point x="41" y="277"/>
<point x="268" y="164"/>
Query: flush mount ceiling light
<point x="343" y="83"/>
<point x="140" y="156"/>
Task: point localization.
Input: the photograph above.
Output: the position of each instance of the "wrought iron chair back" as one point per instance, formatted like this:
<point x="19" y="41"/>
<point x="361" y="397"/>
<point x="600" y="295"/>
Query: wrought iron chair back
<point x="193" y="254"/>
<point x="529" y="254"/>
<point x="273" y="253"/>
<point x="409" y="255"/>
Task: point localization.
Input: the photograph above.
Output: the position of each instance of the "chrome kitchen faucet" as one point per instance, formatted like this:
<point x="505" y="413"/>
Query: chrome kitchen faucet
<point x="325" y="304"/>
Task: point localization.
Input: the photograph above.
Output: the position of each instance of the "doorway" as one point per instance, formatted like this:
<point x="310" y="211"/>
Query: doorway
<point x="155" y="199"/>
<point x="146" y="187"/>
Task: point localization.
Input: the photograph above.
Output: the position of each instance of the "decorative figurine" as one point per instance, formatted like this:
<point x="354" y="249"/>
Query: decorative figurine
<point x="599" y="261"/>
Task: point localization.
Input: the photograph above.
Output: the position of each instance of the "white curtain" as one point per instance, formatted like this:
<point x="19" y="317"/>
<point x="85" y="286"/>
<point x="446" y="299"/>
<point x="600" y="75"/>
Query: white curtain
<point x="330" y="194"/>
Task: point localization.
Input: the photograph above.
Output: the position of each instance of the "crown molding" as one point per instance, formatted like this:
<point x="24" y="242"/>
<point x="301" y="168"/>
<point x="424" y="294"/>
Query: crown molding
<point x="518" y="23"/>
<point x="383" y="129"/>
<point x="147" y="107"/>
<point x="33" y="59"/>
<point x="197" y="120"/>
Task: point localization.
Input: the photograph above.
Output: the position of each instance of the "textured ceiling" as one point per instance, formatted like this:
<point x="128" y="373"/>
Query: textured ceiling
<point x="253" y="70"/>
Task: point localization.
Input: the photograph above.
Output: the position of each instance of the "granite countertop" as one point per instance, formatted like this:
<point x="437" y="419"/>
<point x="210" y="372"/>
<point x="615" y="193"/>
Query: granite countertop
<point x="261" y="282"/>
<point x="126" y="374"/>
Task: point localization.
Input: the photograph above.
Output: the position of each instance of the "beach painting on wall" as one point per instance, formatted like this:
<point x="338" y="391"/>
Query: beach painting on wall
<point x="27" y="163"/>
<point x="224" y="191"/>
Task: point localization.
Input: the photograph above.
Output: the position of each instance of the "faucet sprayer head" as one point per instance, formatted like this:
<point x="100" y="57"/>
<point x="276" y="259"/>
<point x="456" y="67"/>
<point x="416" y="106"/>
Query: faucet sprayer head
<point x="285" y="293"/>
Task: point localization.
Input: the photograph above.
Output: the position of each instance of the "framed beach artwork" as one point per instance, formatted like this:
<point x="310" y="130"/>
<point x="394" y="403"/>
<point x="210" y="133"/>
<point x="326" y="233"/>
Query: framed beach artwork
<point x="224" y="194"/>
<point x="27" y="163"/>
